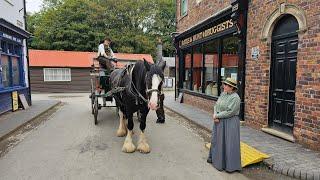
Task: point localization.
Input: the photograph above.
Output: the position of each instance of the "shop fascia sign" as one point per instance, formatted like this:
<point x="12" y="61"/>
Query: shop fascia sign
<point x="208" y="32"/>
<point x="7" y="36"/>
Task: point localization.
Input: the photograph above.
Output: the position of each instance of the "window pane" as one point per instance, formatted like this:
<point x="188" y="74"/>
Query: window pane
<point x="211" y="68"/>
<point x="16" y="71"/>
<point x="6" y="80"/>
<point x="57" y="74"/>
<point x="187" y="66"/>
<point x="197" y="69"/>
<point x="4" y="46"/>
<point x="230" y="58"/>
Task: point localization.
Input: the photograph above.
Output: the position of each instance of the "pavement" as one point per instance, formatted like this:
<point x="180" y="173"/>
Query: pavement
<point x="287" y="158"/>
<point x="11" y="121"/>
<point x="70" y="146"/>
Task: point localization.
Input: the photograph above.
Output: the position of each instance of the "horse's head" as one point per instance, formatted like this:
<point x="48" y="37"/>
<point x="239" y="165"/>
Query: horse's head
<point x="154" y="80"/>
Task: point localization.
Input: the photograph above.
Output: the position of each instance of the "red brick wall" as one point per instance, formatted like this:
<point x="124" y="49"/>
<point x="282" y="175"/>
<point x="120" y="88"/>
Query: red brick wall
<point x="199" y="102"/>
<point x="198" y="12"/>
<point x="307" y="115"/>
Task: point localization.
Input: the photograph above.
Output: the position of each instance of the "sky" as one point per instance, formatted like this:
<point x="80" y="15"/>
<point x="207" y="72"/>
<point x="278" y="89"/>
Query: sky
<point x="33" y="5"/>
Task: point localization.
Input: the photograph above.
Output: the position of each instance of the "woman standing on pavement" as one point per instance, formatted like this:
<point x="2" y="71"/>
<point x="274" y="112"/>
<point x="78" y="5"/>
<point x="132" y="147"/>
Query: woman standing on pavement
<point x="225" y="144"/>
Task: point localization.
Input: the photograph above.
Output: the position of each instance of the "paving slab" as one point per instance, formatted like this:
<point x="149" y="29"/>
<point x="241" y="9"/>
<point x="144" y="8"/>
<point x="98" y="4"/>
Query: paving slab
<point x="12" y="120"/>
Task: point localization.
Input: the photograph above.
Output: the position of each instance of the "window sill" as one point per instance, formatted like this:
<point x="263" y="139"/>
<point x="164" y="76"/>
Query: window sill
<point x="215" y="98"/>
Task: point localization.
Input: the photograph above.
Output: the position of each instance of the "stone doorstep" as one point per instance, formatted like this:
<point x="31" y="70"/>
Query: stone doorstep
<point x="278" y="134"/>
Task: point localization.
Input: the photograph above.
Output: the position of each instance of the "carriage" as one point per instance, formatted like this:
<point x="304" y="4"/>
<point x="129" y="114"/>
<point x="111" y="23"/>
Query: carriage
<point x="100" y="88"/>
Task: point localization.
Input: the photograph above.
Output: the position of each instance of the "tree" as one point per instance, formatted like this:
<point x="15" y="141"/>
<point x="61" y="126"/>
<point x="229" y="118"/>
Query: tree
<point x="79" y="25"/>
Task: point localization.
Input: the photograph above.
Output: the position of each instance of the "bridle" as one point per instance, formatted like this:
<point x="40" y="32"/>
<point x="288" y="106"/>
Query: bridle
<point x="138" y="95"/>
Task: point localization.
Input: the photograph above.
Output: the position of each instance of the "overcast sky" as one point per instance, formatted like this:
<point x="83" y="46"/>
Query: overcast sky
<point x="33" y="5"/>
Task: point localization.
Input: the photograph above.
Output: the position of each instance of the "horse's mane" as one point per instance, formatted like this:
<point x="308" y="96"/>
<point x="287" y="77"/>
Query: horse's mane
<point x="138" y="76"/>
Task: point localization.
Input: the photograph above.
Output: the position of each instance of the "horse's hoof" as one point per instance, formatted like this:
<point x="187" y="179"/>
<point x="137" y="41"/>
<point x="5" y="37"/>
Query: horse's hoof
<point x="121" y="133"/>
<point x="128" y="148"/>
<point x="143" y="148"/>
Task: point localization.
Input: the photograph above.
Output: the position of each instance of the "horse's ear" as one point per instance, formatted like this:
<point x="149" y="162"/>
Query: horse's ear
<point x="146" y="64"/>
<point x="162" y="65"/>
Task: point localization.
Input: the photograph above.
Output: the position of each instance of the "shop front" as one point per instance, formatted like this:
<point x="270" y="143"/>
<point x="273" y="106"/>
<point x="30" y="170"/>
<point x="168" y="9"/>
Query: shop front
<point x="13" y="66"/>
<point x="208" y="54"/>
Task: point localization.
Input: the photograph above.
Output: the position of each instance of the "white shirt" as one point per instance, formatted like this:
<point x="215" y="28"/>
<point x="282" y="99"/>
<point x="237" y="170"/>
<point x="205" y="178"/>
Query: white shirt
<point x="102" y="52"/>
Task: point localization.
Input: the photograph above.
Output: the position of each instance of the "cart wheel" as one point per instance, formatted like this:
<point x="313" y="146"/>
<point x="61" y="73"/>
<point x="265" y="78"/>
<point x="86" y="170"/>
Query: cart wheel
<point x="95" y="109"/>
<point x="92" y="102"/>
<point x="92" y="96"/>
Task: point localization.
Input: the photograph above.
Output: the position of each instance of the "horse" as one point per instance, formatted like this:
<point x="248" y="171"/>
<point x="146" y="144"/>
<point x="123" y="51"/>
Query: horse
<point x="143" y="85"/>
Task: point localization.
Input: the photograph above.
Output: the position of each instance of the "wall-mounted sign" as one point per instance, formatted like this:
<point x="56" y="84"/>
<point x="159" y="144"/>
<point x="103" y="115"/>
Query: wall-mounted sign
<point x="15" y="102"/>
<point x="208" y="32"/>
<point x="255" y="53"/>
<point x="11" y="37"/>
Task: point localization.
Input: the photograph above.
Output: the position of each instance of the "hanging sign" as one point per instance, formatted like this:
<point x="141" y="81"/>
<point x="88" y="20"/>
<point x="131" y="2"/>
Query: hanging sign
<point x="15" y="102"/>
<point x="208" y="32"/>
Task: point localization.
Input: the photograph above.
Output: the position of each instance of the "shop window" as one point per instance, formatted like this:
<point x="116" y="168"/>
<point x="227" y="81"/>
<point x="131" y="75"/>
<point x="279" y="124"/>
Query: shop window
<point x="184" y="7"/>
<point x="4" y="46"/>
<point x="6" y="79"/>
<point x="187" y="70"/>
<point x="230" y="58"/>
<point x="211" y="58"/>
<point x="17" y="50"/>
<point x="57" y="74"/>
<point x="197" y="69"/>
<point x="15" y="71"/>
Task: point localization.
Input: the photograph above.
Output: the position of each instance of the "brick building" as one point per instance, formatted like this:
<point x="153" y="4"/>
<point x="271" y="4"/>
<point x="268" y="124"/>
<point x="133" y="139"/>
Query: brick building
<point x="272" y="48"/>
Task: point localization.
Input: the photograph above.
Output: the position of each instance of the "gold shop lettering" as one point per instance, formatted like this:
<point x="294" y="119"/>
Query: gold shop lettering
<point x="208" y="32"/>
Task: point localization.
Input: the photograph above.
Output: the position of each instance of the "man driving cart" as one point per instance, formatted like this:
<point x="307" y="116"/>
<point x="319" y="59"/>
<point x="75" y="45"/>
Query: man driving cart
<point x="105" y="58"/>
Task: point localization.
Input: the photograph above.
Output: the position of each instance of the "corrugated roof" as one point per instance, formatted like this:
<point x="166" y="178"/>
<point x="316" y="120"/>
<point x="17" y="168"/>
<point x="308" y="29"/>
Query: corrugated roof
<point x="54" y="58"/>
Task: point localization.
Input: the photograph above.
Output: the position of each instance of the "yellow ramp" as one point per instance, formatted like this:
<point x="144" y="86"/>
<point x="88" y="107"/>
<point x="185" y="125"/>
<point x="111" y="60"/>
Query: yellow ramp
<point x="249" y="155"/>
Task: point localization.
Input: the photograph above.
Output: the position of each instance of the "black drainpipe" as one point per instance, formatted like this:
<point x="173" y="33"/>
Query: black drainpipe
<point x="27" y="55"/>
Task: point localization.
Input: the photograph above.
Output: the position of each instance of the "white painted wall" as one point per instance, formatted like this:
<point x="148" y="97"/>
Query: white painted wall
<point x="9" y="11"/>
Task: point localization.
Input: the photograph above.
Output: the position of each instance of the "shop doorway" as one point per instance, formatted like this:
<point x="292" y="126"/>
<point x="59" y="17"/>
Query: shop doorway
<point x="283" y="74"/>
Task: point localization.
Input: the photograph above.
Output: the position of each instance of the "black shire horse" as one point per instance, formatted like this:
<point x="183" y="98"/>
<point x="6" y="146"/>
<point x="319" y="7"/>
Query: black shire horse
<point x="142" y="83"/>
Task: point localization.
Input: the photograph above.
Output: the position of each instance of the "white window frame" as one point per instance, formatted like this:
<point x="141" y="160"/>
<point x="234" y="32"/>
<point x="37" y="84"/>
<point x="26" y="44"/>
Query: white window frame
<point x="56" y="74"/>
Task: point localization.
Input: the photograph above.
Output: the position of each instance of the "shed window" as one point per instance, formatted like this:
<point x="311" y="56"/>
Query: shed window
<point x="57" y="74"/>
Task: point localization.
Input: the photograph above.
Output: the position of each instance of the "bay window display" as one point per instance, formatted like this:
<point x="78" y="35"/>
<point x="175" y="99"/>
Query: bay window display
<point x="197" y="69"/>
<point x="15" y="71"/>
<point x="187" y="69"/>
<point x="204" y="62"/>
<point x="6" y="80"/>
<point x="230" y="58"/>
<point x="10" y="61"/>
<point x="211" y="62"/>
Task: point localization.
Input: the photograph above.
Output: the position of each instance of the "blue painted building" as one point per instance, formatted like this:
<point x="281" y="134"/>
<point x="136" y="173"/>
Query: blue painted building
<point x="14" y="66"/>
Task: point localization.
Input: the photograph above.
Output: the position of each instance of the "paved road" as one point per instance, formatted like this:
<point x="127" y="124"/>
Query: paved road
<point x="70" y="146"/>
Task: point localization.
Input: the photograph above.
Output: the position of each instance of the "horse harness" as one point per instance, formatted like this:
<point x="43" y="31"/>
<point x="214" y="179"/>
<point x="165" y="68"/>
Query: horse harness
<point x="138" y="96"/>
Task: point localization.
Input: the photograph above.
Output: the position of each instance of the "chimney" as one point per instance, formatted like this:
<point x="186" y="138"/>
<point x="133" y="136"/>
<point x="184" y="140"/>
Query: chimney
<point x="159" y="50"/>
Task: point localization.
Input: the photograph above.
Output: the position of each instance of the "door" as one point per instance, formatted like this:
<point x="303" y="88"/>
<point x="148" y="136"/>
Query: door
<point x="283" y="76"/>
